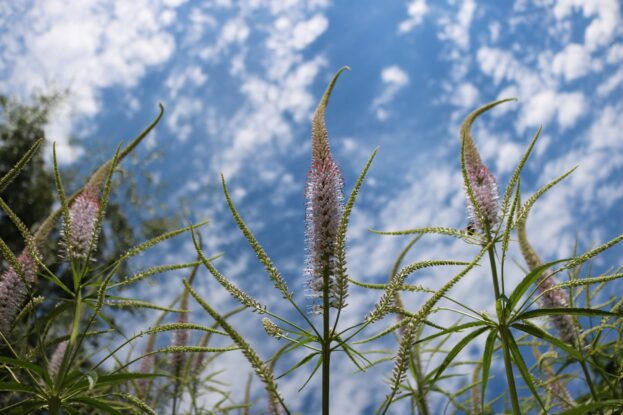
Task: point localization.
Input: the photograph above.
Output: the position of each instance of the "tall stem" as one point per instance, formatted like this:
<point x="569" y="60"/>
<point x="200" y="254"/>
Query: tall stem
<point x="508" y="363"/>
<point x="326" y="343"/>
<point x="510" y="378"/>
<point x="494" y="273"/>
<point x="54" y="405"/>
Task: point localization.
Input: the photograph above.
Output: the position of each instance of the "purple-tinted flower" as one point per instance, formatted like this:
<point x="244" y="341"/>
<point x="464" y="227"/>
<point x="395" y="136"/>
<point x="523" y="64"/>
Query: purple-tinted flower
<point x="324" y="208"/>
<point x="14" y="290"/>
<point x="486" y="195"/>
<point x="556" y="298"/>
<point x="82" y="216"/>
<point x="57" y="359"/>
<point x="551" y="297"/>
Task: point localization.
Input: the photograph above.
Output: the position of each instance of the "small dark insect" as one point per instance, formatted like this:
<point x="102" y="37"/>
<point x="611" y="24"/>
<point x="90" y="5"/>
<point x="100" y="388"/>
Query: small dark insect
<point x="471" y="228"/>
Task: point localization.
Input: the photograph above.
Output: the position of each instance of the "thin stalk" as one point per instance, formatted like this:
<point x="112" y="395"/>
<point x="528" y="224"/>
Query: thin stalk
<point x="509" y="372"/>
<point x="589" y="381"/>
<point x="54" y="405"/>
<point x="494" y="273"/>
<point x="508" y="364"/>
<point x="326" y="343"/>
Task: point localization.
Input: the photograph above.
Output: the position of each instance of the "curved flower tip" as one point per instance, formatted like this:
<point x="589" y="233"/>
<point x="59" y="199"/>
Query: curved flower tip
<point x="324" y="207"/>
<point x="320" y="137"/>
<point x="483" y="204"/>
<point x="14" y="290"/>
<point x="82" y="215"/>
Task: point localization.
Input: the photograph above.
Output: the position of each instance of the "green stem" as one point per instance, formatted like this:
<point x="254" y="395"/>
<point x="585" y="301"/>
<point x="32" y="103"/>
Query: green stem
<point x="54" y="405"/>
<point x="508" y="363"/>
<point x="326" y="344"/>
<point x="494" y="273"/>
<point x="509" y="372"/>
<point x="589" y="381"/>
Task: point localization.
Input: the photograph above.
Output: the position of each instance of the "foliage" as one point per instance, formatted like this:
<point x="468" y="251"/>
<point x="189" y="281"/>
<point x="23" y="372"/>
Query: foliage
<point x="550" y="332"/>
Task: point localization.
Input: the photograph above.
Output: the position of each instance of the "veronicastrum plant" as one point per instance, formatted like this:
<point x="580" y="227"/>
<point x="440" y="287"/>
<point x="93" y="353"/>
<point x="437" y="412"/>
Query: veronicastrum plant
<point x="492" y="224"/>
<point x="491" y="227"/>
<point x="45" y="361"/>
<point x="568" y="363"/>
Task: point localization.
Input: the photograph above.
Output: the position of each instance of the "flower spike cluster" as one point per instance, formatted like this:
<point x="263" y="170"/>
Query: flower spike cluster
<point x="57" y="358"/>
<point x="82" y="215"/>
<point x="551" y="297"/>
<point x="324" y="209"/>
<point x="482" y="204"/>
<point x="14" y="290"/>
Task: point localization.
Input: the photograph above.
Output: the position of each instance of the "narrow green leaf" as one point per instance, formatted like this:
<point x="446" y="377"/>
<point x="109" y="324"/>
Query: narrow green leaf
<point x="298" y="364"/>
<point x="97" y="404"/>
<point x="16" y="387"/>
<point x="530" y="328"/>
<point x="563" y="311"/>
<point x="454" y="352"/>
<point x="590" y="407"/>
<point x="487" y="356"/>
<point x="26" y="365"/>
<point x="526" y="282"/>
<point x="523" y="369"/>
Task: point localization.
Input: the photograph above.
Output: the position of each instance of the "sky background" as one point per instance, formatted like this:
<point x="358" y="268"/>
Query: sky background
<point x="240" y="81"/>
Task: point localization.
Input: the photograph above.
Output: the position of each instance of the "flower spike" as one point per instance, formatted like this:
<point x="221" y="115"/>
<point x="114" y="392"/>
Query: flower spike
<point x="324" y="207"/>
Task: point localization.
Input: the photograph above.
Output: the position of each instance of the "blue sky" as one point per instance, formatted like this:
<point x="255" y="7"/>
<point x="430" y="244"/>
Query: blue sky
<point x="240" y="81"/>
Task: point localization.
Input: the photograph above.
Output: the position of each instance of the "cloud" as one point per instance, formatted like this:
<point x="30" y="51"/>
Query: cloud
<point x="539" y="97"/>
<point x="394" y="79"/>
<point x="417" y="10"/>
<point x="602" y="27"/>
<point x="457" y="29"/>
<point x="95" y="46"/>
<point x="573" y="62"/>
<point x="465" y="95"/>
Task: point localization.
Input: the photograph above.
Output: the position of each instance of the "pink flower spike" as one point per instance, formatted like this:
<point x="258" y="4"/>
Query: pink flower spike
<point x="57" y="359"/>
<point x="14" y="290"/>
<point x="486" y="195"/>
<point x="324" y="209"/>
<point x="82" y="215"/>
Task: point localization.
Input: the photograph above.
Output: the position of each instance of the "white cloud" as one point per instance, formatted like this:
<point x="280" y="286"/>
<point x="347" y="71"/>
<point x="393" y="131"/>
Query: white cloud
<point x="465" y="95"/>
<point x="394" y="79"/>
<point x="190" y="76"/>
<point x="95" y="46"/>
<point x="613" y="82"/>
<point x="417" y="10"/>
<point x="539" y="97"/>
<point x="458" y="29"/>
<point x="573" y="62"/>
<point x="606" y="19"/>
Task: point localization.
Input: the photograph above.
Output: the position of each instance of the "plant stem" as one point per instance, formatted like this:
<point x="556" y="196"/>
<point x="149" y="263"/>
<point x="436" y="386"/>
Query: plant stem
<point x="509" y="371"/>
<point x="494" y="273"/>
<point x="508" y="363"/>
<point x="54" y="405"/>
<point x="326" y="344"/>
<point x="589" y="381"/>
